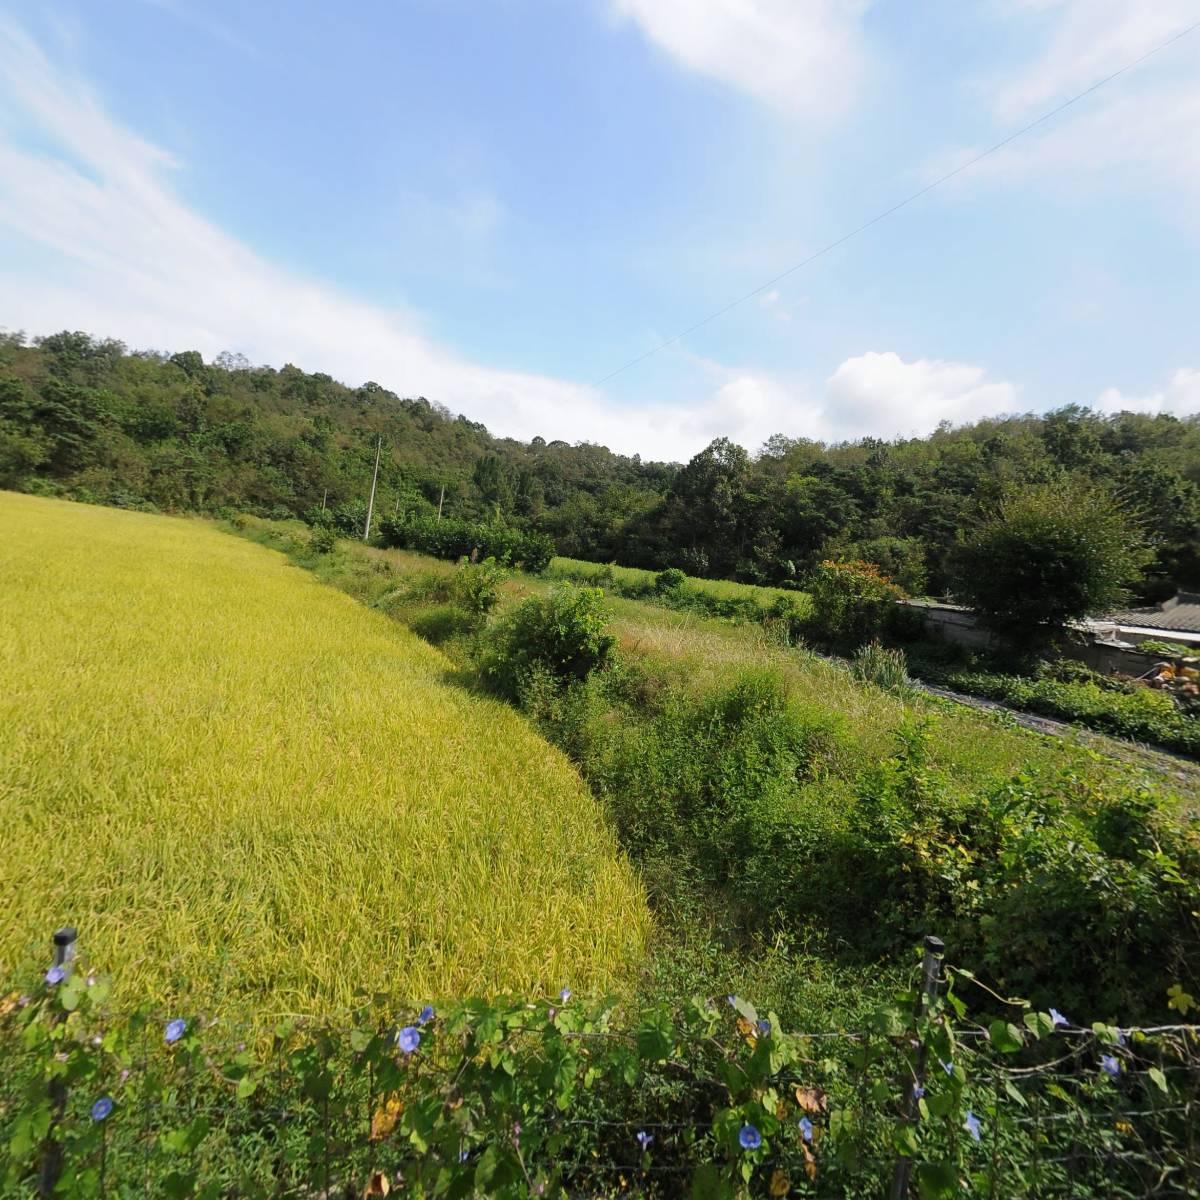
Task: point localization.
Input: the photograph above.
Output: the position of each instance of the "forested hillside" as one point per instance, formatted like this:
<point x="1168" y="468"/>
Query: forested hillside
<point x="91" y="419"/>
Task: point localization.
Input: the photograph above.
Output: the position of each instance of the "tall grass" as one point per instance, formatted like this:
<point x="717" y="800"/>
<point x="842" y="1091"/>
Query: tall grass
<point x="243" y="786"/>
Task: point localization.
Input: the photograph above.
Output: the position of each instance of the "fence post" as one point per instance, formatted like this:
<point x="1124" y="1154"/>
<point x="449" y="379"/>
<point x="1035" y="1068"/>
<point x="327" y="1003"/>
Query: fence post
<point x="931" y="978"/>
<point x="51" y="1153"/>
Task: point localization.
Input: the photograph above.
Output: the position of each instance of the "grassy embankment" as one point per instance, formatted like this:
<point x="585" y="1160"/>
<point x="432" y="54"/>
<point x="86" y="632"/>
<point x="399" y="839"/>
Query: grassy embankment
<point x="243" y="786"/>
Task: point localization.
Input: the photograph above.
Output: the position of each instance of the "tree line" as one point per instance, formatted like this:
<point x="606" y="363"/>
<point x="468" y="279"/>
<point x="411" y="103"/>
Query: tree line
<point x="88" y="418"/>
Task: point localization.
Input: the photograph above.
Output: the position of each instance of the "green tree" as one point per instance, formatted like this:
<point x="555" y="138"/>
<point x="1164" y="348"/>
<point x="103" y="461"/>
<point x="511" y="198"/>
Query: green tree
<point x="1048" y="555"/>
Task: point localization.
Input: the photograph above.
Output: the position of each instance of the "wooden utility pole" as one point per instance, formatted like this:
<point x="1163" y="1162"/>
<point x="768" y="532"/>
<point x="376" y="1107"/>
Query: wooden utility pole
<point x="441" y="500"/>
<point x="324" y="497"/>
<point x="371" y="502"/>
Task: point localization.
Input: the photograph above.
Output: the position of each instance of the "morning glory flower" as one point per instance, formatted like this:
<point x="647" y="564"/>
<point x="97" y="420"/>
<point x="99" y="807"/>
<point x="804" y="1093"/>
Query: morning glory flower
<point x="948" y="1067"/>
<point x="425" y="1015"/>
<point x="750" y="1138"/>
<point x="731" y="1001"/>
<point x="564" y="995"/>
<point x="175" y="1030"/>
<point x="1122" y="1040"/>
<point x="408" y="1039"/>
<point x="1110" y="1066"/>
<point x="1058" y="1018"/>
<point x="55" y="975"/>
<point x="918" y="1091"/>
<point x="806" y="1128"/>
<point x="764" y="1028"/>
<point x="972" y="1125"/>
<point x="463" y="1155"/>
<point x="101" y="1108"/>
<point x="644" y="1139"/>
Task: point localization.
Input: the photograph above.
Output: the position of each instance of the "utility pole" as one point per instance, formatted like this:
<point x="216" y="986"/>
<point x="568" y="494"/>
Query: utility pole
<point x="371" y="502"/>
<point x="324" y="497"/>
<point x="441" y="500"/>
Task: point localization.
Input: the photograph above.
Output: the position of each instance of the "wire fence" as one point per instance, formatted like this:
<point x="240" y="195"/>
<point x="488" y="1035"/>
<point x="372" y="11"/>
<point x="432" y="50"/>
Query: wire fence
<point x="558" y="1097"/>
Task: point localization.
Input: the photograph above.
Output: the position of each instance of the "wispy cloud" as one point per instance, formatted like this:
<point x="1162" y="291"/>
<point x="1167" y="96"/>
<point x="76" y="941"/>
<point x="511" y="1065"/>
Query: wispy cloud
<point x="194" y="15"/>
<point x="1141" y="131"/>
<point x="805" y="58"/>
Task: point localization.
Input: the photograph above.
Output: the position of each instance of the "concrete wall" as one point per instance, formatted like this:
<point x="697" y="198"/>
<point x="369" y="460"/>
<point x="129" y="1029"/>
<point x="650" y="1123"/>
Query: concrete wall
<point x="958" y="625"/>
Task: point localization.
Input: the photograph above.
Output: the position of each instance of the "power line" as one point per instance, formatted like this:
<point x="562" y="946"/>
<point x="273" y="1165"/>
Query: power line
<point x="1012" y="137"/>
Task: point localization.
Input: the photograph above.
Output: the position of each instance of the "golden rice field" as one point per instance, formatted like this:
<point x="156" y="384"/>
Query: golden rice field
<point x="245" y="788"/>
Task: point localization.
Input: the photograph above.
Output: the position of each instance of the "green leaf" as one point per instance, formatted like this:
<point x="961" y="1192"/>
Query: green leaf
<point x="1005" y="1037"/>
<point x="1158" y="1078"/>
<point x="246" y="1086"/>
<point x="935" y="1180"/>
<point x="1040" y="1024"/>
<point x="655" y="1039"/>
<point x="709" y="1184"/>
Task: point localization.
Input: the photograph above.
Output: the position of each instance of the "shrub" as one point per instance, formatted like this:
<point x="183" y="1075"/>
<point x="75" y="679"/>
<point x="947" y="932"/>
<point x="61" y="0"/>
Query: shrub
<point x="884" y="667"/>
<point x="441" y="622"/>
<point x="563" y="633"/>
<point x="323" y="540"/>
<point x="670" y="580"/>
<point x="1049" y="555"/>
<point x="475" y="587"/>
<point x="851" y="601"/>
<point x="454" y="539"/>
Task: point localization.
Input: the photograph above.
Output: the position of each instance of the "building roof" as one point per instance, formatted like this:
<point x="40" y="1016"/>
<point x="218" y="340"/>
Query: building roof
<point x="1181" y="613"/>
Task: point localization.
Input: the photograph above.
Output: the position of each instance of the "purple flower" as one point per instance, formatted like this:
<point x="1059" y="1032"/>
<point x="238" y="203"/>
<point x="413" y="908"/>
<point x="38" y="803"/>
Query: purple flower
<point x="948" y="1067"/>
<point x="972" y="1125"/>
<point x="101" y="1108"/>
<point x="644" y="1139"/>
<point x="1122" y="1040"/>
<point x="463" y="1155"/>
<point x="1110" y="1065"/>
<point x="1058" y="1018"/>
<point x="750" y="1138"/>
<point x="731" y="1001"/>
<point x="56" y="974"/>
<point x="408" y="1039"/>
<point x="764" y="1028"/>
<point x="425" y="1015"/>
<point x="564" y="995"/>
<point x="175" y="1030"/>
<point x="124" y="1075"/>
<point x="806" y="1128"/>
<point x="918" y="1091"/>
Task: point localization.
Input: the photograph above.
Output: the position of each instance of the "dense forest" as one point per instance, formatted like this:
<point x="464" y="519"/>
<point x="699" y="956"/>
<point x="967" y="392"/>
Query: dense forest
<point x="90" y="419"/>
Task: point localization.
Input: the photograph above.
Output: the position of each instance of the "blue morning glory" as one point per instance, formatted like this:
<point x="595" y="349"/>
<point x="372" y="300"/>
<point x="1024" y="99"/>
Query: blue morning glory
<point x="101" y="1108"/>
<point x="1058" y="1018"/>
<point x="1110" y="1065"/>
<point x="408" y="1039"/>
<point x="425" y="1015"/>
<point x="750" y="1138"/>
<point x="55" y="975"/>
<point x="644" y="1139"/>
<point x="175" y="1030"/>
<point x="564" y="995"/>
<point x="764" y="1028"/>
<point x="972" y="1125"/>
<point x="463" y="1155"/>
<point x="732" y="1001"/>
<point x="918" y="1091"/>
<point x="948" y="1067"/>
<point x="806" y="1128"/>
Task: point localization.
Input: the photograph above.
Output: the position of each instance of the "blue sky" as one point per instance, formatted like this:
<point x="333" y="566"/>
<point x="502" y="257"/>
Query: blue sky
<point x="495" y="203"/>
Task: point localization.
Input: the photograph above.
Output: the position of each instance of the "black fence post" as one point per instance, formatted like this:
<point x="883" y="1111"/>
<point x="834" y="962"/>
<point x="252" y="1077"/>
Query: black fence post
<point x="931" y="978"/>
<point x="51" y="1151"/>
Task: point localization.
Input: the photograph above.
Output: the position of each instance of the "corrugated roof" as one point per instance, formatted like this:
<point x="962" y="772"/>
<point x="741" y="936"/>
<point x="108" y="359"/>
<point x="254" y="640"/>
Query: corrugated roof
<point x="1180" y="613"/>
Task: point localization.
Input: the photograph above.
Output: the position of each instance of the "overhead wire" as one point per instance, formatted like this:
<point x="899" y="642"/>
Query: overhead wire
<point x="895" y="208"/>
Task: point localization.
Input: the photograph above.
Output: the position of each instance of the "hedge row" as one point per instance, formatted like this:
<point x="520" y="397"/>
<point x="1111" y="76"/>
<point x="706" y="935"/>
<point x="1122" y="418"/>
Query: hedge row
<point x="454" y="539"/>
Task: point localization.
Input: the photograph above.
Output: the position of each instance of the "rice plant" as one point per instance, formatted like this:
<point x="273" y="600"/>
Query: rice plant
<point x="244" y="787"/>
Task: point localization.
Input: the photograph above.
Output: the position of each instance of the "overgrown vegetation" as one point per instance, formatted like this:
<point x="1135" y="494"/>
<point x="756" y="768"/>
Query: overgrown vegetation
<point x="562" y="1097"/>
<point x="456" y="539"/>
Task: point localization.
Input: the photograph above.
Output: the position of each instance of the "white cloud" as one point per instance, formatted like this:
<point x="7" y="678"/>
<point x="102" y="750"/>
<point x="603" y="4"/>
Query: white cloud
<point x="1140" y="131"/>
<point x="1180" y="397"/>
<point x="882" y="395"/>
<point x="92" y="236"/>
<point x="803" y="57"/>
